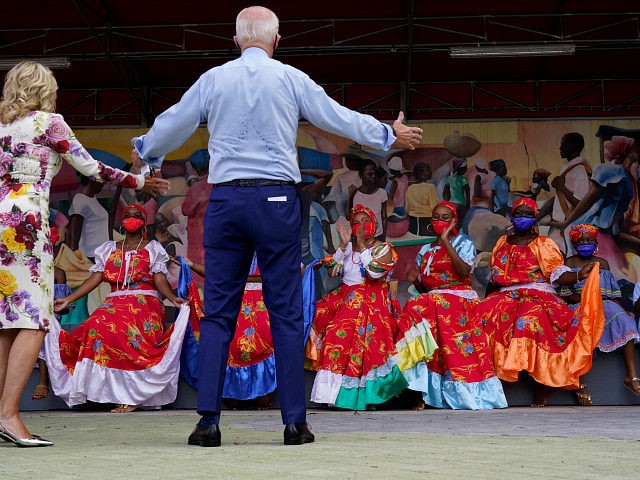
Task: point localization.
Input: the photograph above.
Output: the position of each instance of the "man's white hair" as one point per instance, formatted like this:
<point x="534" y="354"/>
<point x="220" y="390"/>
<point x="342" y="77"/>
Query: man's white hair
<point x="256" y="24"/>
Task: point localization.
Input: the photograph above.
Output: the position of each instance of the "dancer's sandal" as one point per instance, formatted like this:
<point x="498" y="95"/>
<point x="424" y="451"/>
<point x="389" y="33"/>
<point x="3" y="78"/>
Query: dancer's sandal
<point x="633" y="386"/>
<point x="583" y="397"/>
<point x="40" y="392"/>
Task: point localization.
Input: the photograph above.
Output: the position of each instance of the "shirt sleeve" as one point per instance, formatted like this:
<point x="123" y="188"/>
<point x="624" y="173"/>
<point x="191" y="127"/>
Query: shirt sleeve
<point x="340" y="255"/>
<point x="173" y="127"/>
<point x="327" y="114"/>
<point x="636" y="293"/>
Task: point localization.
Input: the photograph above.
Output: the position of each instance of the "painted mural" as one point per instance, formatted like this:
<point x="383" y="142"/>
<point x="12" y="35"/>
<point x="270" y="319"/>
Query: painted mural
<point x="481" y="167"/>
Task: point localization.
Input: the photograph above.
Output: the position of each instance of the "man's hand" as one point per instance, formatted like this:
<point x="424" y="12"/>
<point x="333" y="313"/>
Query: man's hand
<point x="406" y="137"/>
<point x="153" y="186"/>
<point x="135" y="159"/>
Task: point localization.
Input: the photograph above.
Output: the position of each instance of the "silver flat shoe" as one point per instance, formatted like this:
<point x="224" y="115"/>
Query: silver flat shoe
<point x="34" y="441"/>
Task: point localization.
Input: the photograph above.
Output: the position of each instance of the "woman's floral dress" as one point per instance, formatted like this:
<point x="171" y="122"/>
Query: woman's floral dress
<point x="461" y="374"/>
<point x="353" y="337"/>
<point x="530" y="327"/>
<point x="31" y="153"/>
<point x="122" y="352"/>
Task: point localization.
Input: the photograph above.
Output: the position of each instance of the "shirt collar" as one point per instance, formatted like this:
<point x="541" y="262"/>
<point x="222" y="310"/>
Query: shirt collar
<point x="254" y="52"/>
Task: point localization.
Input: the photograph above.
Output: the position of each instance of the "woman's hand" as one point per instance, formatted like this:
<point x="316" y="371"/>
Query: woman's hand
<point x="585" y="271"/>
<point x="344" y="232"/>
<point x="178" y="301"/>
<point x="154" y="185"/>
<point x="412" y="273"/>
<point x="448" y="230"/>
<point x="60" y="304"/>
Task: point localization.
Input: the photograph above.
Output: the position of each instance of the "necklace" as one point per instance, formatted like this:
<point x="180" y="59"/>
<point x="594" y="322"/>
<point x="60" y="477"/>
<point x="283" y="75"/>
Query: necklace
<point x="126" y="262"/>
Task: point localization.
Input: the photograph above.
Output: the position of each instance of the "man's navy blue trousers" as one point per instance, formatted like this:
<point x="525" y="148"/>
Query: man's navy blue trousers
<point x="239" y="221"/>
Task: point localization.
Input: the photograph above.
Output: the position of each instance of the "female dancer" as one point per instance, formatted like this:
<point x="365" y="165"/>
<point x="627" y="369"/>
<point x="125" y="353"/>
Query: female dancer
<point x="352" y="341"/>
<point x="620" y="327"/>
<point x="530" y="328"/>
<point x="461" y="374"/>
<point x="122" y="353"/>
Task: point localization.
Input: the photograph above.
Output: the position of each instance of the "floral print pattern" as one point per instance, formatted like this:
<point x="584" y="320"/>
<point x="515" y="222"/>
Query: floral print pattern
<point x="127" y="331"/>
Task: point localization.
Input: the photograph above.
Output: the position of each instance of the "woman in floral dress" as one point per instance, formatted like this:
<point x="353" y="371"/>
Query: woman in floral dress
<point x="33" y="143"/>
<point x="122" y="353"/>
<point x="530" y="327"/>
<point x="353" y="337"/>
<point x="460" y="375"/>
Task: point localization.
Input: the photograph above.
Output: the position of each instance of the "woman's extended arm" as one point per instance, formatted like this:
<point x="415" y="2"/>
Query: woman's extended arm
<point x="87" y="287"/>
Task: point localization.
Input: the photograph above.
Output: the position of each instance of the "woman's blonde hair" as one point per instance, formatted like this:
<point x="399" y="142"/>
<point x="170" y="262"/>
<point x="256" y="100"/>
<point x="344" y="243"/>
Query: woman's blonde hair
<point x="29" y="86"/>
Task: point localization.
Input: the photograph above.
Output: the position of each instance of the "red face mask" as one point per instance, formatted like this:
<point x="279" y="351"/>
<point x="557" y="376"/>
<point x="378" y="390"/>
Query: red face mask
<point x="369" y="229"/>
<point x="54" y="236"/>
<point x="439" y="226"/>
<point x="132" y="224"/>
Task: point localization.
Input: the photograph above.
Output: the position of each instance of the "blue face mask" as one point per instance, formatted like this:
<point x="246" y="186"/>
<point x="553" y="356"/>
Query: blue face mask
<point x="586" y="249"/>
<point x="523" y="223"/>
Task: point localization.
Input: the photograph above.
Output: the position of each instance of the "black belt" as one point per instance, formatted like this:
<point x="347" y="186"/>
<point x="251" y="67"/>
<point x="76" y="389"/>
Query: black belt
<point x="255" y="182"/>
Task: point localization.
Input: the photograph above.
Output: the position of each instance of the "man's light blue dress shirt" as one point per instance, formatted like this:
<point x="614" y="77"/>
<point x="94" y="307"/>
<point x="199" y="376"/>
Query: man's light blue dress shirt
<point x="252" y="106"/>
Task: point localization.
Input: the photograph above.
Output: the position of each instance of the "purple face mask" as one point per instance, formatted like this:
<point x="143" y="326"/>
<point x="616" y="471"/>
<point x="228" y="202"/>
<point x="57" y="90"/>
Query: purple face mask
<point x="523" y="223"/>
<point x="586" y="249"/>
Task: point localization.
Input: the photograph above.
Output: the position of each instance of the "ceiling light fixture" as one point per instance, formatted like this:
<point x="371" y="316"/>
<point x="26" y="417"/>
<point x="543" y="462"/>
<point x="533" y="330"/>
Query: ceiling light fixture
<point x="545" y="50"/>
<point x="8" y="63"/>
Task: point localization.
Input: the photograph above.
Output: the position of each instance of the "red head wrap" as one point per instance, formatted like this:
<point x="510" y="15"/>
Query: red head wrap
<point x="578" y="230"/>
<point x="529" y="202"/>
<point x="137" y="207"/>
<point x="54" y="235"/>
<point x="362" y="209"/>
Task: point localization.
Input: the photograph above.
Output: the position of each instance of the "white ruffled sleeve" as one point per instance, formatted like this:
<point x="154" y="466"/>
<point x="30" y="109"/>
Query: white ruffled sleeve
<point x="101" y="255"/>
<point x="340" y="255"/>
<point x="555" y="275"/>
<point x="158" y="258"/>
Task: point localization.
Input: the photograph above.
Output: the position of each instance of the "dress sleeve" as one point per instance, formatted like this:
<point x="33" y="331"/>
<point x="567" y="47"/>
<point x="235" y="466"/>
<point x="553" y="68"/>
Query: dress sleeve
<point x="101" y="255"/>
<point x="555" y="275"/>
<point x="466" y="250"/>
<point x="501" y="241"/>
<point x="373" y="260"/>
<point x="340" y="255"/>
<point x="548" y="255"/>
<point x="158" y="258"/>
<point x="60" y="138"/>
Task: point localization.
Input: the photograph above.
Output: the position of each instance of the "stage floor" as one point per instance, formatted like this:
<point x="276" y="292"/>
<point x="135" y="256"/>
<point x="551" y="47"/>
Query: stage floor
<point x="515" y="443"/>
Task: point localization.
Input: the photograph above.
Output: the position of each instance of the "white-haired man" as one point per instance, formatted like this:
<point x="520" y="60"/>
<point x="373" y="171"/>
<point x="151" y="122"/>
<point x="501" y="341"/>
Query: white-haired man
<point x="252" y="106"/>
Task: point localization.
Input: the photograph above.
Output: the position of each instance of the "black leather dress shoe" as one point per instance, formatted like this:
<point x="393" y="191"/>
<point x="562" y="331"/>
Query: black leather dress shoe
<point x="297" y="434"/>
<point x="205" y="436"/>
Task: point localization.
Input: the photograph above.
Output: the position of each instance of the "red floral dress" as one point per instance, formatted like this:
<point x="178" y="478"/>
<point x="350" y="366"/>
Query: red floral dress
<point x="352" y="342"/>
<point x="251" y="368"/>
<point x="461" y="374"/>
<point x="530" y="327"/>
<point x="122" y="352"/>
